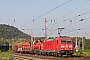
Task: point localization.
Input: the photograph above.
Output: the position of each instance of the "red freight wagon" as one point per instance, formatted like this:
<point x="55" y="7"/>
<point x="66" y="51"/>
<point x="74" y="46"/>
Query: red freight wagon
<point x="59" y="46"/>
<point x="22" y="47"/>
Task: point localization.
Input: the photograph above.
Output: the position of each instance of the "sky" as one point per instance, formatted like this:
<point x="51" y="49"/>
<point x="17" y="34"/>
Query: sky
<point x="27" y="15"/>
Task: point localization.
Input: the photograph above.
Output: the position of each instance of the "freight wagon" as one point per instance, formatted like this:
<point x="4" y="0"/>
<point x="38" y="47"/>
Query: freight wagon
<point x="22" y="47"/>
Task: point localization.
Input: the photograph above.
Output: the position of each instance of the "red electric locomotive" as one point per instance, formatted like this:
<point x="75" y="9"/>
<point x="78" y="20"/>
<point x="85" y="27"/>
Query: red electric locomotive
<point x="37" y="47"/>
<point x="59" y="46"/>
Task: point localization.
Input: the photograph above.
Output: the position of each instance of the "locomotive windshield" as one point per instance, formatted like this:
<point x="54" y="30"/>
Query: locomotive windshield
<point x="65" y="41"/>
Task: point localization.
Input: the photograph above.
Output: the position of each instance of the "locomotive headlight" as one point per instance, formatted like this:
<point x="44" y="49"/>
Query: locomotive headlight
<point x="62" y="46"/>
<point x="70" y="46"/>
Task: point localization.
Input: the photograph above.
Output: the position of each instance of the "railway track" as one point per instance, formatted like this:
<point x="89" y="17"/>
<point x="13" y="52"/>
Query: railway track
<point x="41" y="57"/>
<point x="17" y="57"/>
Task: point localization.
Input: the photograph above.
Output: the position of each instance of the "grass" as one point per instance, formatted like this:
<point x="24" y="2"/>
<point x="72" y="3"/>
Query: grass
<point x="6" y="56"/>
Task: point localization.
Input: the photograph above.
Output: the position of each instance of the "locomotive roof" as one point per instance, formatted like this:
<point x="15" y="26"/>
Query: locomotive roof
<point x="61" y="37"/>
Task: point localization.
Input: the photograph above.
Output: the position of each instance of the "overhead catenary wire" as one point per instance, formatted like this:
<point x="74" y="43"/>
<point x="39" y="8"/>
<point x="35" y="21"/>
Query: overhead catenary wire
<point x="23" y="12"/>
<point x="68" y="20"/>
<point x="72" y="12"/>
<point x="77" y="8"/>
<point x="64" y="20"/>
<point x="81" y="28"/>
<point x="48" y="12"/>
<point x="73" y="30"/>
<point x="72" y="20"/>
<point x="75" y="24"/>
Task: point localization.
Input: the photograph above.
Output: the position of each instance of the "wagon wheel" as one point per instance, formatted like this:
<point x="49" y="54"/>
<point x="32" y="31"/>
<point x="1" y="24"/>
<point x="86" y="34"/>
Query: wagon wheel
<point x="59" y="55"/>
<point x="55" y="54"/>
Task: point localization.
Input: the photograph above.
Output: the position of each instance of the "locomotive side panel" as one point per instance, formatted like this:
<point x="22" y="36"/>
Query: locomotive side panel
<point x="49" y="45"/>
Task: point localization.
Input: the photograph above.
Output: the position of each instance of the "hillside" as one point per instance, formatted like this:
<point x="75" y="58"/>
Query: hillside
<point x="7" y="32"/>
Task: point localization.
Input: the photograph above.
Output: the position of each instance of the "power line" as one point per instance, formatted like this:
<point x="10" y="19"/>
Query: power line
<point x="81" y="28"/>
<point x="77" y="8"/>
<point x="73" y="26"/>
<point x="71" y="20"/>
<point x="48" y="12"/>
<point x="62" y="21"/>
<point x="72" y="12"/>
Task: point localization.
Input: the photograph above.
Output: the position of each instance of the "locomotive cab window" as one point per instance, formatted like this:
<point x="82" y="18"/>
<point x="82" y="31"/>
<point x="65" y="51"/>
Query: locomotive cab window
<point x="68" y="41"/>
<point x="65" y="41"/>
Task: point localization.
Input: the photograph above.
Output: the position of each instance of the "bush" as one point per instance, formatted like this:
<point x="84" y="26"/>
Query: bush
<point x="82" y="52"/>
<point x="86" y="53"/>
<point x="5" y="56"/>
